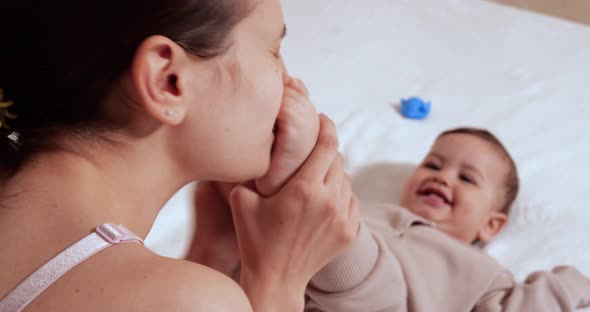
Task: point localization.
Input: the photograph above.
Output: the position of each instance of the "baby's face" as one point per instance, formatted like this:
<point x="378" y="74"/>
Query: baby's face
<point x="459" y="186"/>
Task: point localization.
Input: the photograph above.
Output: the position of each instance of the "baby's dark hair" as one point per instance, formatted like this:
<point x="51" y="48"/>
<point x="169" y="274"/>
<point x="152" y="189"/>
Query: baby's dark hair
<point x="511" y="183"/>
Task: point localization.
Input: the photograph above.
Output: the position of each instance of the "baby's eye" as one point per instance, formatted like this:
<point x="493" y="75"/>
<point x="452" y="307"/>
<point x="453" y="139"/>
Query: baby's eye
<point x="432" y="166"/>
<point x="466" y="178"/>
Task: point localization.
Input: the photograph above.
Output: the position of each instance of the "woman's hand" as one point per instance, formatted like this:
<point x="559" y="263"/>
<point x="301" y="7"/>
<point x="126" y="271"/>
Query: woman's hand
<point x="284" y="240"/>
<point x="215" y="243"/>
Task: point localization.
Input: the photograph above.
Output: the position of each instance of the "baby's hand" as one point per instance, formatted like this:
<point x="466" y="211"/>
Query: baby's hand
<point x="296" y="133"/>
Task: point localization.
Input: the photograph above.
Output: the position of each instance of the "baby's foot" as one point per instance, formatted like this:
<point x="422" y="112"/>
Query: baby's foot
<point x="297" y="130"/>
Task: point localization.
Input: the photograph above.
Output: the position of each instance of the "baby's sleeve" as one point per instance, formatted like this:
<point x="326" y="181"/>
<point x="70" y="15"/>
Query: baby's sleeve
<point x="562" y="289"/>
<point x="365" y="278"/>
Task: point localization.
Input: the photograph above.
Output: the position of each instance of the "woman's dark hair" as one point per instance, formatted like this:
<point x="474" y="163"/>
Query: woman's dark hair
<point x="511" y="180"/>
<point x="59" y="59"/>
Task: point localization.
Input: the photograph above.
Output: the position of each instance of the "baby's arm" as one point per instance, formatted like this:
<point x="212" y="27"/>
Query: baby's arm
<point x="367" y="277"/>
<point x="297" y="130"/>
<point x="563" y="289"/>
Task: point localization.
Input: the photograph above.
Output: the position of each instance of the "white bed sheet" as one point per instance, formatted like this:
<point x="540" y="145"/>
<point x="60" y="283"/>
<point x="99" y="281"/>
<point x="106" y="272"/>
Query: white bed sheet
<point x="522" y="75"/>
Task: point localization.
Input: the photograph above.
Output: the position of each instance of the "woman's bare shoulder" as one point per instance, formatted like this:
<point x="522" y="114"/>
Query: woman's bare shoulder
<point x="132" y="278"/>
<point x="178" y="285"/>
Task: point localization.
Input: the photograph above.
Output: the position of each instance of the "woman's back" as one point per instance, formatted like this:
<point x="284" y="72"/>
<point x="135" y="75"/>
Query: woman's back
<point x="124" y="277"/>
<point x="137" y="280"/>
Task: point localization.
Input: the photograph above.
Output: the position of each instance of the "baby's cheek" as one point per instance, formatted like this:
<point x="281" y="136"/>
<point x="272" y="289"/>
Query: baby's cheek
<point x="413" y="182"/>
<point x="406" y="194"/>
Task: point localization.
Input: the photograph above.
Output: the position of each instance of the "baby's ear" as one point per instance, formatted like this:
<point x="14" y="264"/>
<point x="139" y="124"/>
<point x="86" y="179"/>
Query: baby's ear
<point x="495" y="224"/>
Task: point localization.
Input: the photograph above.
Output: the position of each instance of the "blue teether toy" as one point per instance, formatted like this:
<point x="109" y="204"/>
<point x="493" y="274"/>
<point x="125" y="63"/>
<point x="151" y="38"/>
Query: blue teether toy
<point x="415" y="108"/>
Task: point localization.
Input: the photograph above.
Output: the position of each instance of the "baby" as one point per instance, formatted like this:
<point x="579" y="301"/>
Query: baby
<point x="466" y="185"/>
<point x="422" y="257"/>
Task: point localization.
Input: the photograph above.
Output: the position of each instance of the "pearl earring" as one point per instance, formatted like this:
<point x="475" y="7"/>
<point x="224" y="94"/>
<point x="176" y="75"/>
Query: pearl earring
<point x="169" y="113"/>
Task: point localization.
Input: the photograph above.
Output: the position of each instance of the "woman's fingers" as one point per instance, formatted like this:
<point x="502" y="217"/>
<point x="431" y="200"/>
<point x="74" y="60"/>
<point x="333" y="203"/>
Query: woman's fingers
<point x="242" y="201"/>
<point x="323" y="154"/>
<point x="335" y="177"/>
<point x="345" y="192"/>
<point x="354" y="214"/>
<point x="350" y="207"/>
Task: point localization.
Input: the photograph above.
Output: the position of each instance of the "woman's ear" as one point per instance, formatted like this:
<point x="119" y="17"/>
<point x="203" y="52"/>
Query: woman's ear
<point x="495" y="224"/>
<point x="157" y="75"/>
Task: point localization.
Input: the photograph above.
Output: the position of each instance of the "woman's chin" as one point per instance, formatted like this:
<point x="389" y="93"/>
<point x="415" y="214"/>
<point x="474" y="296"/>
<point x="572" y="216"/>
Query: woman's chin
<point x="254" y="172"/>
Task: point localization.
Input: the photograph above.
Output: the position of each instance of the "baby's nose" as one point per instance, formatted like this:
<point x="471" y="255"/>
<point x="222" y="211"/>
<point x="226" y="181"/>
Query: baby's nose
<point x="439" y="180"/>
<point x="442" y="177"/>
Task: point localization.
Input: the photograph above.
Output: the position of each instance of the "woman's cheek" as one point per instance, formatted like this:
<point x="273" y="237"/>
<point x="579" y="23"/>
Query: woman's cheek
<point x="276" y="95"/>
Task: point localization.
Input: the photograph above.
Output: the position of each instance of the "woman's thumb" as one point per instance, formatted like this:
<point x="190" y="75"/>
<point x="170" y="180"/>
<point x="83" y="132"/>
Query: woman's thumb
<point x="242" y="200"/>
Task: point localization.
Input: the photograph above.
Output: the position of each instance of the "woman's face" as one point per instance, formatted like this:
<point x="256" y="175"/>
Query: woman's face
<point x="228" y="131"/>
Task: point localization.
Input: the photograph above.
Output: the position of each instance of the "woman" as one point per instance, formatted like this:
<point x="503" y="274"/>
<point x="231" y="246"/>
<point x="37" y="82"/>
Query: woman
<point x="109" y="108"/>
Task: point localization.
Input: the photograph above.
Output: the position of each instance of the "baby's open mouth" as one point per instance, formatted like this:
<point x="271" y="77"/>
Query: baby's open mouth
<point x="435" y="195"/>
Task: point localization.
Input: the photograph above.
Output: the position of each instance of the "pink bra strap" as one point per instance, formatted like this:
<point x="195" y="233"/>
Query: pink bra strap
<point x="104" y="236"/>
